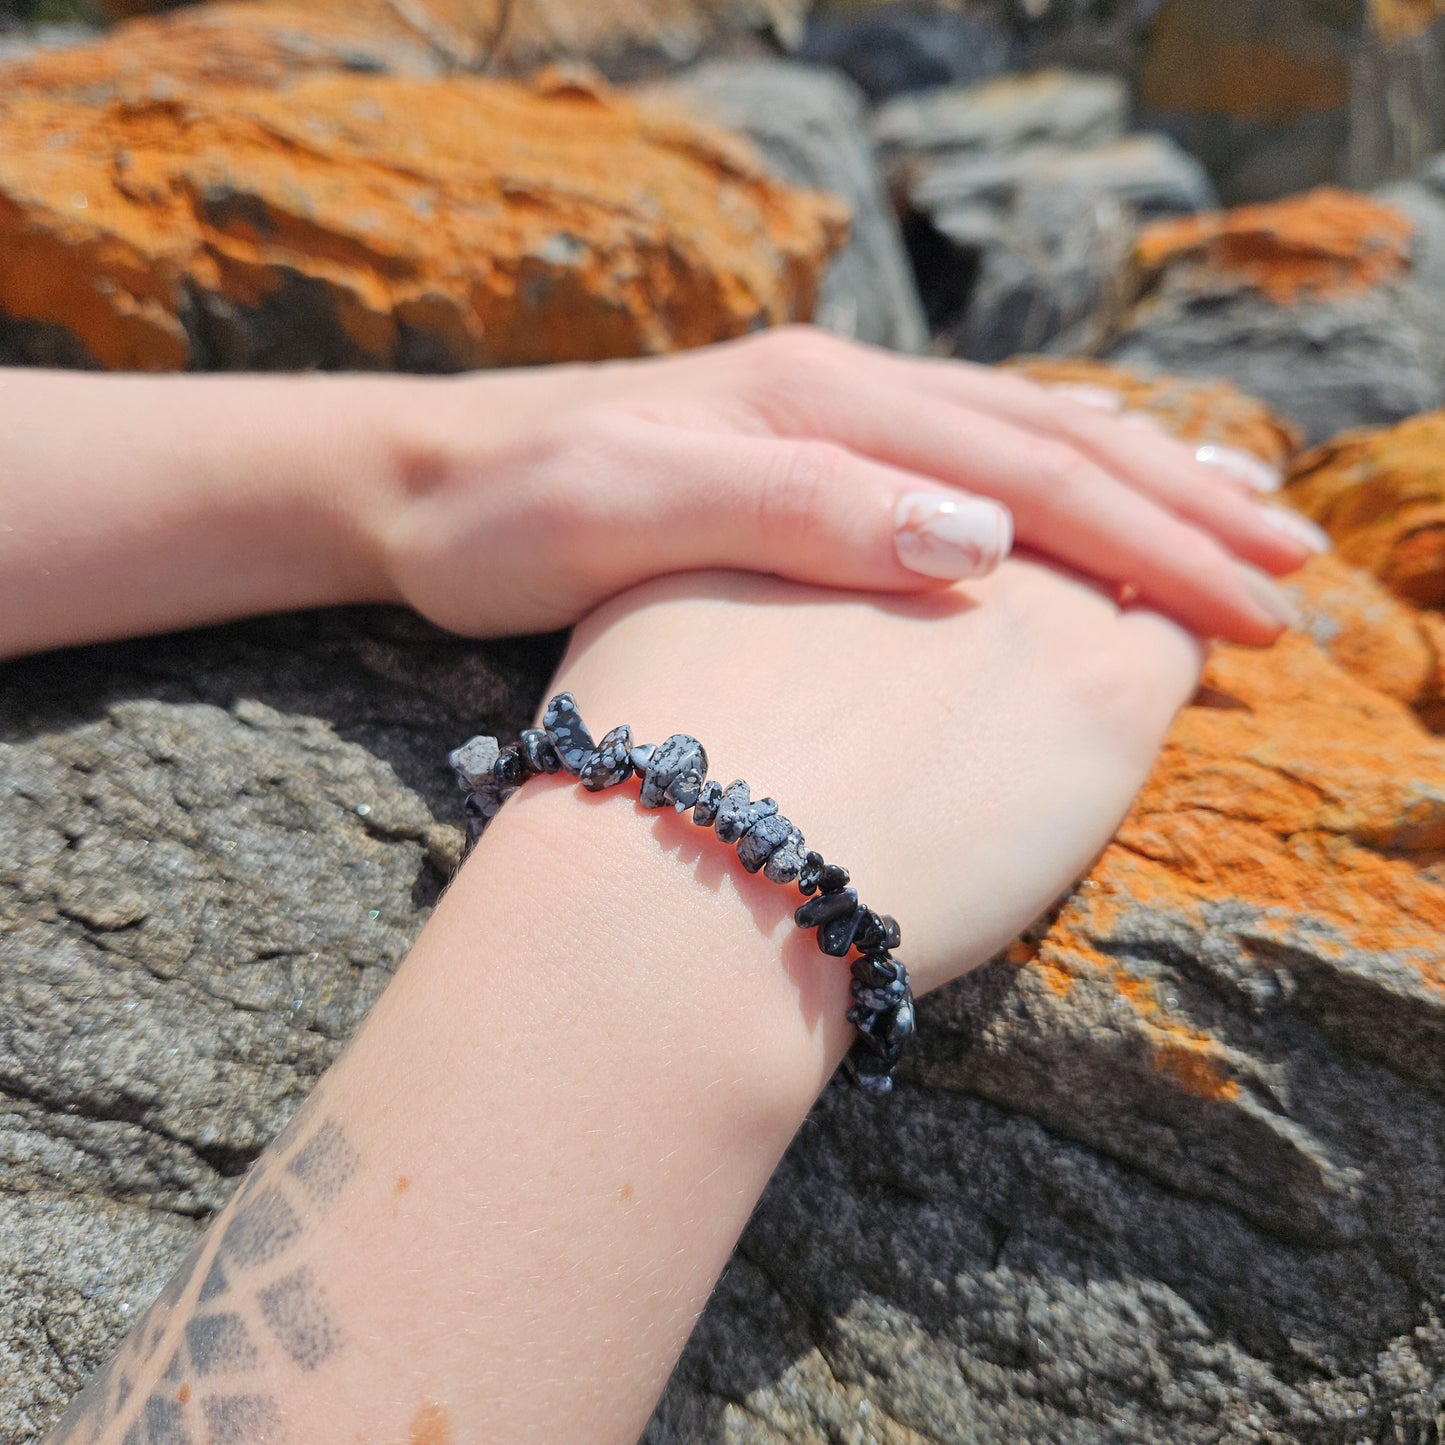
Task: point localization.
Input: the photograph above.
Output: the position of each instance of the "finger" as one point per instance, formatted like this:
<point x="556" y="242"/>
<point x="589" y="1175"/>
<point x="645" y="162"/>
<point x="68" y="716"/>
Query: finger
<point x="1214" y="496"/>
<point x="1068" y="506"/>
<point x="808" y="510"/>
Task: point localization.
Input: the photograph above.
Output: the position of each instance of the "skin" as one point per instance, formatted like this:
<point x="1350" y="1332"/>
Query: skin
<point x="501" y="1222"/>
<point x="514" y="1215"/>
<point x="515" y="502"/>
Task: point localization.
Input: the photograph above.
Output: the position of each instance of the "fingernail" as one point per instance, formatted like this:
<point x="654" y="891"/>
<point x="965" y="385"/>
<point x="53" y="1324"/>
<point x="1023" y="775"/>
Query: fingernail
<point x="1086" y="394"/>
<point x="1270" y="597"/>
<point x="1297" y="528"/>
<point x="1242" y="465"/>
<point x="1145" y="421"/>
<point x="954" y="537"/>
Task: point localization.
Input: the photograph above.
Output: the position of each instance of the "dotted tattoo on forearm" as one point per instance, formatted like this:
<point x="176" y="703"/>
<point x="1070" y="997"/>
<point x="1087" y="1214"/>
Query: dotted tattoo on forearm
<point x="259" y="1310"/>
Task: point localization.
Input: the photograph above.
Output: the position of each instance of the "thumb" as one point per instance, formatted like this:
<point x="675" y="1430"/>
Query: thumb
<point x="804" y="509"/>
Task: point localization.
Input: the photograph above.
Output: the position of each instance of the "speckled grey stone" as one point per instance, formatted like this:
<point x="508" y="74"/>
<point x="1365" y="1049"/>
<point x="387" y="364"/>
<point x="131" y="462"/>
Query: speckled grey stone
<point x="611" y="763"/>
<point x="787" y="862"/>
<point x="762" y="840"/>
<point x="537" y="751"/>
<point x="473" y="761"/>
<point x="567" y="732"/>
<point x="704" y="812"/>
<point x="676" y="771"/>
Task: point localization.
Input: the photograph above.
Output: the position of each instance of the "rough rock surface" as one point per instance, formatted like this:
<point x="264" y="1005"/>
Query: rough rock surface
<point x="371" y="221"/>
<point x="1020" y="199"/>
<point x="1197" y="410"/>
<point x="811" y="125"/>
<point x="1319" y="305"/>
<point x="1381" y="497"/>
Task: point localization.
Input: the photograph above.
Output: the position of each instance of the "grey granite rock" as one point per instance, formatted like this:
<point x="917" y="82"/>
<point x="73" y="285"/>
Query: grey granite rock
<point x="1021" y="200"/>
<point x="811" y="125"/>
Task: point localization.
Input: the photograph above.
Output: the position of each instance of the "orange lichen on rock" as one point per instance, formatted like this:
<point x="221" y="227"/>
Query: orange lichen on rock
<point x="1385" y="643"/>
<point x="1325" y="243"/>
<point x="374" y="221"/>
<point x="1302" y="800"/>
<point x="1194" y="409"/>
<point x="1380" y="494"/>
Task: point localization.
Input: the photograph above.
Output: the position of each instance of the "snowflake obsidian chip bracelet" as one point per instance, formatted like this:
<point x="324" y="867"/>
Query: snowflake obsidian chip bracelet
<point x="675" y="772"/>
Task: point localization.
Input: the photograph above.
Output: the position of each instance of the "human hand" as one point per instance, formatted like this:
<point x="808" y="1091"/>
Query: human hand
<point x="530" y="497"/>
<point x="964" y="754"/>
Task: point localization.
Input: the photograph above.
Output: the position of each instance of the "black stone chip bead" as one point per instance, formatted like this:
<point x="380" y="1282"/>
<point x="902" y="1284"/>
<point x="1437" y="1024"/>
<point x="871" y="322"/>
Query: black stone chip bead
<point x="708" y="801"/>
<point x="836" y="916"/>
<point x="641" y="756"/>
<point x="567" y="732"/>
<point x="809" y="874"/>
<point x="879" y="982"/>
<point x="611" y="763"/>
<point x="675" y="773"/>
<point x="537" y="751"/>
<point x="832" y="879"/>
<point x="472" y="762"/>
<point x="787" y="862"/>
<point x="762" y="840"/>
<point x="510" y="769"/>
<point x="836" y="936"/>
<point x="826" y="907"/>
<point x="877" y="933"/>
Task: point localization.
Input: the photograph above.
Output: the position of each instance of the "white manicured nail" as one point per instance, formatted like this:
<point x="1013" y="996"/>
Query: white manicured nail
<point x="939" y="535"/>
<point x="1086" y="394"/>
<point x="1297" y="528"/>
<point x="1242" y="465"/>
<point x="1270" y="597"/>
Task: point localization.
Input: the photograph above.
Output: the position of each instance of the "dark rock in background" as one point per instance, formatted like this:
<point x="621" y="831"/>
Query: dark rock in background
<point x="811" y="124"/>
<point x="1020" y="201"/>
<point x="889" y="50"/>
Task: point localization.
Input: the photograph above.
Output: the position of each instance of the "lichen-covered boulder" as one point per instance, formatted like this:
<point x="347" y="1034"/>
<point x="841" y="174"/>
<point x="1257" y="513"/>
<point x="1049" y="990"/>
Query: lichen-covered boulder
<point x="1381" y="497"/>
<point x="1315" y="304"/>
<point x="383" y="222"/>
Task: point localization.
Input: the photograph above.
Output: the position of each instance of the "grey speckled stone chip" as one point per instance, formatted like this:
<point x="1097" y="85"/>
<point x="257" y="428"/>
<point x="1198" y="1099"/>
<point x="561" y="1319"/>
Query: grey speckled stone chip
<point x="787" y="862"/>
<point x="762" y="840"/>
<point x="709" y="800"/>
<point x="675" y="773"/>
<point x="567" y="732"/>
<point x="472" y="762"/>
<point x="611" y="763"/>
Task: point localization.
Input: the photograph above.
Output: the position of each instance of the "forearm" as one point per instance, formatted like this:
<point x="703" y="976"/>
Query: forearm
<point x="139" y="504"/>
<point x="518" y="1186"/>
<point x="543" y="1143"/>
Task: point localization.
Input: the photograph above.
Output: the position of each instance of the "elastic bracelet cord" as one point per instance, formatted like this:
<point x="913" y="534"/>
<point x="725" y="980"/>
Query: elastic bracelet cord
<point x="675" y="772"/>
